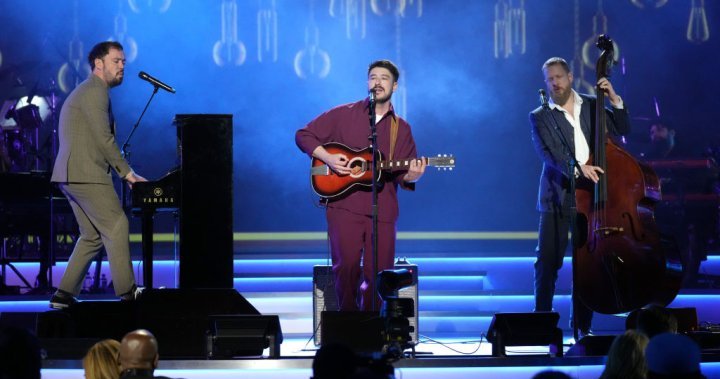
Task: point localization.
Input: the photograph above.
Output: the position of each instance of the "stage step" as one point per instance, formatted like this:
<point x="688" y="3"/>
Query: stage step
<point x="457" y="295"/>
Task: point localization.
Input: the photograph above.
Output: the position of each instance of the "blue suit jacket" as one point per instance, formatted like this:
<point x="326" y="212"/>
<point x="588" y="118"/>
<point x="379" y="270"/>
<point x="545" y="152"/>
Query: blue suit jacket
<point x="554" y="181"/>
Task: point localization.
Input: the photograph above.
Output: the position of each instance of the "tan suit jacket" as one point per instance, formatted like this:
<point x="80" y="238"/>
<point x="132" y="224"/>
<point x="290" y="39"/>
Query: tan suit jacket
<point x="82" y="169"/>
<point x="87" y="145"/>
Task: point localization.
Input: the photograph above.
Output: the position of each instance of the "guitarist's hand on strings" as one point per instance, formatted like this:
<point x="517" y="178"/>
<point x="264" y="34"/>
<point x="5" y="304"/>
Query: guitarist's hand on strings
<point x="416" y="170"/>
<point x="336" y="162"/>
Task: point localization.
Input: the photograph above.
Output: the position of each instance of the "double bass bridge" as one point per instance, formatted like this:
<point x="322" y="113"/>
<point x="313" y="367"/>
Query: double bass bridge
<point x="606" y="231"/>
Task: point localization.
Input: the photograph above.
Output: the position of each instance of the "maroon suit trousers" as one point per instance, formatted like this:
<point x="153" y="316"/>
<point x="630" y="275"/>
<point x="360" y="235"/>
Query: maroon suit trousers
<point x="350" y="242"/>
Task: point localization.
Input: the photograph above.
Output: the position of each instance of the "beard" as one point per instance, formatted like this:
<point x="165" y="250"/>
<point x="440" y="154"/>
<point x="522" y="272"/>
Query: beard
<point x="383" y="99"/>
<point x="562" y="96"/>
<point x="115" y="80"/>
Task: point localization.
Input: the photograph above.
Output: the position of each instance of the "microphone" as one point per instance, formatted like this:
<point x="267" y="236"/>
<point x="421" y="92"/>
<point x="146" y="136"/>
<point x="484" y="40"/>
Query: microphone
<point x="371" y="96"/>
<point x="543" y="99"/>
<point x="157" y="83"/>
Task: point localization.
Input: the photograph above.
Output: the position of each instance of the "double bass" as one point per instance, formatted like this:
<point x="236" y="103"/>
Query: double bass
<point x="620" y="261"/>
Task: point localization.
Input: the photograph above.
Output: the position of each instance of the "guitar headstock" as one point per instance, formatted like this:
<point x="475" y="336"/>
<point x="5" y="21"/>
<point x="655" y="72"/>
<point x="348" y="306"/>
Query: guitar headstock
<point x="442" y="162"/>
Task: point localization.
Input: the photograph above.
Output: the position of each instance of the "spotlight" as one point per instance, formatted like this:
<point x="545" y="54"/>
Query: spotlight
<point x="26" y="115"/>
<point x="395" y="311"/>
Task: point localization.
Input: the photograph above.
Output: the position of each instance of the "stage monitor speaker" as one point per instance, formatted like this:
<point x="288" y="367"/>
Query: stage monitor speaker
<point x="206" y="200"/>
<point x="591" y="346"/>
<point x="361" y="331"/>
<point x="325" y="298"/>
<point x="178" y="318"/>
<point x="525" y="329"/>
<point x="240" y="335"/>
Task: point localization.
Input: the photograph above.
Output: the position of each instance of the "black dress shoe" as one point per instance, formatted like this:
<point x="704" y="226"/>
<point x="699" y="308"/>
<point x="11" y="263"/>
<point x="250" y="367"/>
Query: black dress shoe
<point x="62" y="300"/>
<point x="133" y="294"/>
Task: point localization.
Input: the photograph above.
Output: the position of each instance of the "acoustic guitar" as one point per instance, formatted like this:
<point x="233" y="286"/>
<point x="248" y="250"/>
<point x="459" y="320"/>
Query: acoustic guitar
<point x="328" y="184"/>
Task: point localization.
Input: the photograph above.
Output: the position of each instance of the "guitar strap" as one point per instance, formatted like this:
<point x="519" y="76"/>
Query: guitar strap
<point x="393" y="135"/>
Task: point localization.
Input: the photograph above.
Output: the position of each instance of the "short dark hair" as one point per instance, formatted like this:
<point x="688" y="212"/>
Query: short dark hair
<point x="384" y="63"/>
<point x="655" y="320"/>
<point x="100" y="50"/>
<point x="556" y="60"/>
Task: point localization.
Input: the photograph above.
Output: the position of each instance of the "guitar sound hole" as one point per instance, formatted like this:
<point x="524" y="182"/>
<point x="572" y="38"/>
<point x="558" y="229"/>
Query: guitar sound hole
<point x="357" y="167"/>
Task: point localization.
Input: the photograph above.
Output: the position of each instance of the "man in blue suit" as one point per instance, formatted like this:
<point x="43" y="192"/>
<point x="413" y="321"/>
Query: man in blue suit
<point x="574" y="116"/>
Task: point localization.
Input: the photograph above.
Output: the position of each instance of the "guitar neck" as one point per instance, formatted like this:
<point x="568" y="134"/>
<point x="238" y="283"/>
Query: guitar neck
<point x="405" y="163"/>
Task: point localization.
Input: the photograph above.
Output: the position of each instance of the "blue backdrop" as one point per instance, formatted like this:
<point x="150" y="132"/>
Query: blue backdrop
<point x="460" y="98"/>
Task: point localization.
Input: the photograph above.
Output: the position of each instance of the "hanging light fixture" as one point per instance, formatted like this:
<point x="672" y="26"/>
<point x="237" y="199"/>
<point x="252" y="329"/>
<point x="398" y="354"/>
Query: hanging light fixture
<point x="355" y="12"/>
<point x="501" y="30"/>
<point x="643" y="4"/>
<point x="74" y="70"/>
<point x="590" y="53"/>
<point x="516" y="17"/>
<point x="267" y="32"/>
<point x="698" y="30"/>
<point x="129" y="44"/>
<point x="576" y="65"/>
<point x="311" y="60"/>
<point x="380" y="7"/>
<point x="147" y="6"/>
<point x="229" y="50"/>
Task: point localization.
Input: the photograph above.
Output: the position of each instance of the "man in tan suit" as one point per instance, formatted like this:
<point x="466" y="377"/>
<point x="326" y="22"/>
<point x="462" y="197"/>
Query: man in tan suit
<point x="87" y="154"/>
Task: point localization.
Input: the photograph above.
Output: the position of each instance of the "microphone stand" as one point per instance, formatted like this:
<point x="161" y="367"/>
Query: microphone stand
<point x="572" y="165"/>
<point x="374" y="151"/>
<point x="124" y="151"/>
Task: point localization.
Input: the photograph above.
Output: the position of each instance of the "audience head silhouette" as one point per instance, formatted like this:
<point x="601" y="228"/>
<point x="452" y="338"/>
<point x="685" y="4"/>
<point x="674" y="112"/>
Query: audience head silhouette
<point x="655" y="320"/>
<point x="672" y="355"/>
<point x="626" y="358"/>
<point x="334" y="361"/>
<point x="139" y="350"/>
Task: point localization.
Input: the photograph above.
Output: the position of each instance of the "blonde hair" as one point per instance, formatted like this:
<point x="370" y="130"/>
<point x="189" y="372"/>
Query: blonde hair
<point x="626" y="358"/>
<point x="101" y="361"/>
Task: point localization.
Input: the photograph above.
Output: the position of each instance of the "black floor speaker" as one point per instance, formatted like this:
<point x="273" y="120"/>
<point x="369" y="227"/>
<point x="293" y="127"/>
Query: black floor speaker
<point x="589" y="346"/>
<point x="325" y="298"/>
<point x="360" y="331"/>
<point x="525" y="329"/>
<point x="181" y="320"/>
